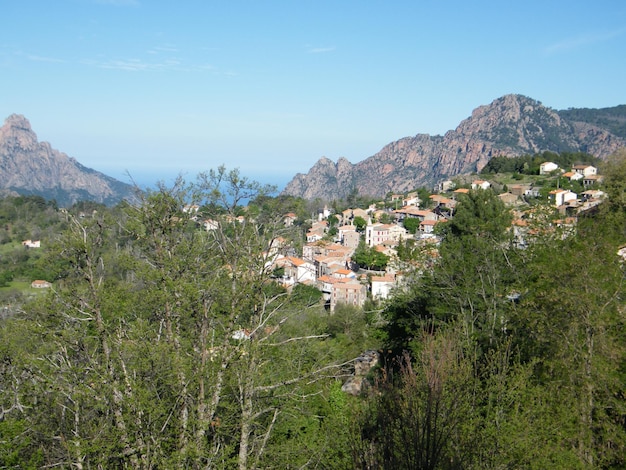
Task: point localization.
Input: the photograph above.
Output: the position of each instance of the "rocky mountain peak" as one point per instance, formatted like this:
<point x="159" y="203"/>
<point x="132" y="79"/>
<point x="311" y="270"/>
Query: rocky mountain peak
<point x="28" y="166"/>
<point x="516" y="124"/>
<point x="17" y="132"/>
<point x="17" y="121"/>
<point x="511" y="125"/>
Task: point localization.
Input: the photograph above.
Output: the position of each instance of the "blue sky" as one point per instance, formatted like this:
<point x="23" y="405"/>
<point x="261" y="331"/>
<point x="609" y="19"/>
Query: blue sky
<point x="160" y="88"/>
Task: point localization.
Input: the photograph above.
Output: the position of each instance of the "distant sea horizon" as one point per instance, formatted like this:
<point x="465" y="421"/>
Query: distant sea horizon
<point x="150" y="178"/>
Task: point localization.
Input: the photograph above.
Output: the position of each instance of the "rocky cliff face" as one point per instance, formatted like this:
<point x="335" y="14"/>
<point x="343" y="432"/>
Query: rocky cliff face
<point x="512" y="125"/>
<point x="28" y="166"/>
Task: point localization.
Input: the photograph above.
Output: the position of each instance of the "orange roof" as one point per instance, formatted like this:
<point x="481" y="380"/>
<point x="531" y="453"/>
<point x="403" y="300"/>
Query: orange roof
<point x="296" y="261"/>
<point x="343" y="271"/>
<point x="413" y="211"/>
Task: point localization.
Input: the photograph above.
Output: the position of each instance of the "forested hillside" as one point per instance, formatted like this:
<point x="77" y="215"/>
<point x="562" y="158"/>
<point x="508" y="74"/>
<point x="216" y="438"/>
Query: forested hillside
<point x="166" y="343"/>
<point x="612" y="119"/>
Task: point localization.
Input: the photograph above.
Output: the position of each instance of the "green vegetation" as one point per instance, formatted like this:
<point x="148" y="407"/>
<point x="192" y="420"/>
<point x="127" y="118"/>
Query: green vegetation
<point x="368" y="257"/>
<point x="411" y="224"/>
<point x="360" y="223"/>
<point x="25" y="218"/>
<point x="167" y="345"/>
<point x="528" y="342"/>
<point x="612" y="119"/>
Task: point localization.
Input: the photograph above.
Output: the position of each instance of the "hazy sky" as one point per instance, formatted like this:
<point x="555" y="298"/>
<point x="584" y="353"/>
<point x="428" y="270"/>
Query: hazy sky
<point x="159" y="88"/>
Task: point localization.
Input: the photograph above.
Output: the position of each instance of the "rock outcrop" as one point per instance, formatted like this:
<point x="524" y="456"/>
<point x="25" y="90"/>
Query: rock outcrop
<point x="363" y="364"/>
<point x="30" y="167"/>
<point x="512" y="125"/>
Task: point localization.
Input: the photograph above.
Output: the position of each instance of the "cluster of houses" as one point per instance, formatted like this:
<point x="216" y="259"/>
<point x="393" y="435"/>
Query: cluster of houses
<point x="326" y="258"/>
<point x="326" y="265"/>
<point x="326" y="262"/>
<point x="567" y="202"/>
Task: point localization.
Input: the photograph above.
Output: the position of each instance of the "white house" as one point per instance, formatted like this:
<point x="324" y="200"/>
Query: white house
<point x="39" y="284"/>
<point x="324" y="214"/>
<point x="481" y="184"/>
<point x="297" y="270"/>
<point x="561" y="196"/>
<point x="343" y="273"/>
<point x="191" y="208"/>
<point x="585" y="170"/>
<point x="312" y="237"/>
<point x="428" y="226"/>
<point x="573" y="175"/>
<point x="411" y="200"/>
<point x="381" y="286"/>
<point x="547" y="167"/>
<point x="210" y="224"/>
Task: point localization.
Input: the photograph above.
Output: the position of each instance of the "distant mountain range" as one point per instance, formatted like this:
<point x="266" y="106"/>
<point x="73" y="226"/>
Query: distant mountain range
<point x="30" y="167"/>
<point x="512" y="125"/>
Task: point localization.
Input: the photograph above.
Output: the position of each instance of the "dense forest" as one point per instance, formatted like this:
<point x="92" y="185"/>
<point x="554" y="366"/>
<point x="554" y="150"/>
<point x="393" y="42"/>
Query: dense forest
<point x="612" y="119"/>
<point x="166" y="345"/>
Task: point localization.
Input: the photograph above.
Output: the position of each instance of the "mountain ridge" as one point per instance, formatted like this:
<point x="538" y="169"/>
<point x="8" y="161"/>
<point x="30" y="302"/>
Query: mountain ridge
<point x="511" y="125"/>
<point x="30" y="167"/>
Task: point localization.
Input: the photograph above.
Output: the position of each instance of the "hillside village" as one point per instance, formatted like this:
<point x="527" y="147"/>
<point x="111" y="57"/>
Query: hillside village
<point x="327" y="260"/>
<point x="193" y="295"/>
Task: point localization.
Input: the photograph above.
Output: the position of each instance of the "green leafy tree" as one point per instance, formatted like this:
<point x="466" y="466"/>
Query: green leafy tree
<point x="167" y="345"/>
<point x="370" y="258"/>
<point x="5" y="278"/>
<point x="416" y="418"/>
<point x="473" y="273"/>
<point x="385" y="218"/>
<point x="569" y="318"/>
<point x="360" y="223"/>
<point x="411" y="224"/>
<point x="306" y="295"/>
<point x="614" y="171"/>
